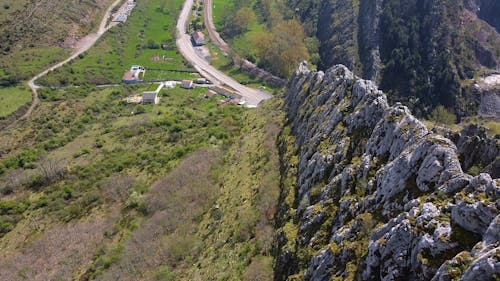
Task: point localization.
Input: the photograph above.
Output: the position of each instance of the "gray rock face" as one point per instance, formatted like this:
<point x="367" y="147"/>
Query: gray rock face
<point x="377" y="196"/>
<point x="476" y="148"/>
<point x="490" y="103"/>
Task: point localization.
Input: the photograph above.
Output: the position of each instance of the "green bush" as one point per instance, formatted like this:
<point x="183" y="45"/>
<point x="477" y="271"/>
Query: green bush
<point x="442" y="116"/>
<point x="164" y="274"/>
<point x="475" y="170"/>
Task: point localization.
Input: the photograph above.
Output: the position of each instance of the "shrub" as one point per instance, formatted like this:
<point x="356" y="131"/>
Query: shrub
<point x="260" y="269"/>
<point x="475" y="170"/>
<point x="164" y="274"/>
<point x="140" y="109"/>
<point x="247" y="219"/>
<point x="178" y="246"/>
<point x="441" y="115"/>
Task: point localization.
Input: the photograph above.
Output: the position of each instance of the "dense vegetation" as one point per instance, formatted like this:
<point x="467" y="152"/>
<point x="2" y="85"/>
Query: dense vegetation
<point x="100" y="175"/>
<point x="423" y="54"/>
<point x="100" y="189"/>
<point x="264" y="32"/>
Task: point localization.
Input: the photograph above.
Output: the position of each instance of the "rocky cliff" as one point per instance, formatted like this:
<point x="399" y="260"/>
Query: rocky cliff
<point x="369" y="193"/>
<point x="476" y="149"/>
<point x="421" y="52"/>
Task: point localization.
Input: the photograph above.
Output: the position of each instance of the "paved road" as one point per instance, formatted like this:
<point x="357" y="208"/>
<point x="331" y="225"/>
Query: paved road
<point x="252" y="96"/>
<point x="82" y="46"/>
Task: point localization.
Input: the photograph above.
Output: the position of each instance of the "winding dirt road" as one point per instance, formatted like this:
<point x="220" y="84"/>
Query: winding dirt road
<point x="82" y="46"/>
<point x="251" y="95"/>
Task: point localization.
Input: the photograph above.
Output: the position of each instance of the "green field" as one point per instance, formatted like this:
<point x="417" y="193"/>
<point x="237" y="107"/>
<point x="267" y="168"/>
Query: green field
<point x="12" y="98"/>
<point x="220" y="6"/>
<point x="138" y="41"/>
<point x="24" y="64"/>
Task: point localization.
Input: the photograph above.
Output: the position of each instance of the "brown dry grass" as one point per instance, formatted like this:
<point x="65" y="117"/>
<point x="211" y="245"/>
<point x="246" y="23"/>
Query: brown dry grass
<point x="65" y="247"/>
<point x="174" y="203"/>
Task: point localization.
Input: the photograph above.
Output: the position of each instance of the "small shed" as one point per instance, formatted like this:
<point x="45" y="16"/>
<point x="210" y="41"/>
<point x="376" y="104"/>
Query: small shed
<point x="150" y="98"/>
<point x="187" y="84"/>
<point x="198" y="38"/>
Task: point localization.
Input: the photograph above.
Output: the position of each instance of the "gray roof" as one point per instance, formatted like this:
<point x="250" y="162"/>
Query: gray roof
<point x="149" y="95"/>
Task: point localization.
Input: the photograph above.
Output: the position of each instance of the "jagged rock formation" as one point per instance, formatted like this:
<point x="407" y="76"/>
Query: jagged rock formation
<point x="476" y="148"/>
<point x="368" y="193"/>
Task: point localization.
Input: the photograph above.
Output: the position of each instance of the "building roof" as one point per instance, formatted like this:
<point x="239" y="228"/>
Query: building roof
<point x="128" y="76"/>
<point x="186" y="83"/>
<point x="149" y="95"/>
<point x="198" y="36"/>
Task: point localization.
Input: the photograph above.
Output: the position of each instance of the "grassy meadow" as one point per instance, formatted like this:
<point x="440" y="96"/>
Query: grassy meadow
<point x="12" y="98"/>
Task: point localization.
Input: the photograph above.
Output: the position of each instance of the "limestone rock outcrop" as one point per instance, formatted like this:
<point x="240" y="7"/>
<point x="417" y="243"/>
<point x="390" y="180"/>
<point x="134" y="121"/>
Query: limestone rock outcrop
<point x="369" y="193"/>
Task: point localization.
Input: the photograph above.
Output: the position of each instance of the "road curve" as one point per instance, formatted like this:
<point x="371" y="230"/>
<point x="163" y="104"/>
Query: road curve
<point x="83" y="45"/>
<point x="252" y="96"/>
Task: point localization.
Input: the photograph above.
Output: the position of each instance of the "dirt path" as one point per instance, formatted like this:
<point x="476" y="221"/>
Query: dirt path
<point x="212" y="31"/>
<point x="82" y="46"/>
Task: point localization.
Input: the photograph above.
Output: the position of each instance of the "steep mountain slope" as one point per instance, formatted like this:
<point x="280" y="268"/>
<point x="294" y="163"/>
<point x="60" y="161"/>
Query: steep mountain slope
<point x="420" y="52"/>
<point x="368" y="193"/>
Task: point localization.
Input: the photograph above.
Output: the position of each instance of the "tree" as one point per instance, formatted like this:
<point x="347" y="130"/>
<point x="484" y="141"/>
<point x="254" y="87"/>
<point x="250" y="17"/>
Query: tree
<point x="283" y="48"/>
<point x="236" y="23"/>
<point x="51" y="169"/>
<point x="442" y="116"/>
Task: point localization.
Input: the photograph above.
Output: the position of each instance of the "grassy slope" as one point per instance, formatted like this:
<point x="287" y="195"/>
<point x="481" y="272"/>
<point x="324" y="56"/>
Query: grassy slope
<point x="237" y="233"/>
<point x="88" y="143"/>
<point x="134" y="195"/>
<point x="9" y="7"/>
<point x="30" y="50"/>
<point x="12" y="98"/>
<point x="113" y="167"/>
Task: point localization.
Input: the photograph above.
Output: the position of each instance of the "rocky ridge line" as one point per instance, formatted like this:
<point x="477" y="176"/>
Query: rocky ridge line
<point x="376" y="195"/>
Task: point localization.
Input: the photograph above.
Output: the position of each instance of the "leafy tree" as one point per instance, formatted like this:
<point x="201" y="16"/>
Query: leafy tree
<point x="283" y="48"/>
<point x="441" y="115"/>
<point x="236" y="23"/>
